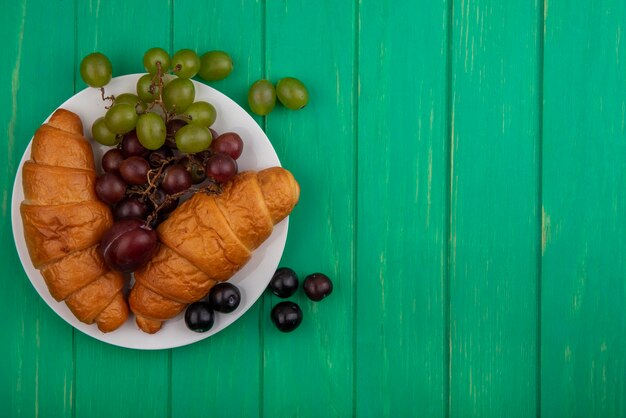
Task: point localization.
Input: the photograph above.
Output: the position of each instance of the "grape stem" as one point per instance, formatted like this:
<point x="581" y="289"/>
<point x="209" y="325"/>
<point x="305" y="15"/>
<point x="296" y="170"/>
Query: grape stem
<point x="111" y="98"/>
<point x="155" y="179"/>
<point x="211" y="188"/>
<point x="157" y="81"/>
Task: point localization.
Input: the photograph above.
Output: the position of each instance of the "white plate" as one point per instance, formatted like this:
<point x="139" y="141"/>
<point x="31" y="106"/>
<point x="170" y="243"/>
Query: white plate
<point x="252" y="279"/>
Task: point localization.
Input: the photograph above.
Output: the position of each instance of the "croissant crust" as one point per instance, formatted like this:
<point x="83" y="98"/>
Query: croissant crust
<point x="207" y="239"/>
<point x="64" y="221"/>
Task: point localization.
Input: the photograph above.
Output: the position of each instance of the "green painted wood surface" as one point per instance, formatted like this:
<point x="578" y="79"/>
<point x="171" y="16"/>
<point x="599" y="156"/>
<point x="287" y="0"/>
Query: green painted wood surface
<point x="309" y="372"/>
<point x="494" y="219"/>
<point x="402" y="222"/>
<point x="462" y="169"/>
<point x="583" y="330"/>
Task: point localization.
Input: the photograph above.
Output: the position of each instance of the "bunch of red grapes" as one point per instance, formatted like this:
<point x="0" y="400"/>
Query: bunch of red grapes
<point x="143" y="187"/>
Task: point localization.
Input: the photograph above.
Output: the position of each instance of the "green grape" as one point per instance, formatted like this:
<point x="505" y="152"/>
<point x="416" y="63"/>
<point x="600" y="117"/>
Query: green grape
<point x="178" y="94"/>
<point x="96" y="70"/>
<point x="102" y="134"/>
<point x="201" y="113"/>
<point x="131" y="99"/>
<point x="185" y="63"/>
<point x="262" y="97"/>
<point x="151" y="130"/>
<point x="193" y="138"/>
<point x="154" y="55"/>
<point x="292" y="93"/>
<point x="121" y="118"/>
<point x="215" y="65"/>
<point x="143" y="89"/>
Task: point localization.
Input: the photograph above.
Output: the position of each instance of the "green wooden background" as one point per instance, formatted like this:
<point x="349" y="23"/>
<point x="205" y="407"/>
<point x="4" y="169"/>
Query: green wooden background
<point x="463" y="169"/>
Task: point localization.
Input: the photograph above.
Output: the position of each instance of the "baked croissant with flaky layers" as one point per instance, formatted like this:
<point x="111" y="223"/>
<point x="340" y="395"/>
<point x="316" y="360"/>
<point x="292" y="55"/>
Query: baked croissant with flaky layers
<point x="208" y="239"/>
<point x="64" y="221"/>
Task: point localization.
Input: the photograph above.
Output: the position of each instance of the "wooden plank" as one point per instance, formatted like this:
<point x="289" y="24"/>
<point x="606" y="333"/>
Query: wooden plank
<point x="221" y="374"/>
<point x="111" y="381"/>
<point x="583" y="323"/>
<point x="495" y="221"/>
<point x="309" y="372"/>
<point x="402" y="210"/>
<point x="36" y="370"/>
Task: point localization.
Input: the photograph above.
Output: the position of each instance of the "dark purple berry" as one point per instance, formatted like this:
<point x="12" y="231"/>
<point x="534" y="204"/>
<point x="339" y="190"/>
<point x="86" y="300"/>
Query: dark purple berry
<point x="199" y="317"/>
<point x="284" y="283"/>
<point x="287" y="316"/>
<point x="224" y="297"/>
<point x="317" y="286"/>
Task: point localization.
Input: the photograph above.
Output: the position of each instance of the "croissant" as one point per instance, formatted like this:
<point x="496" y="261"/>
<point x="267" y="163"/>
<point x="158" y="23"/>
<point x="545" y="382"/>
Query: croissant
<point x="64" y="221"/>
<point x="206" y="240"/>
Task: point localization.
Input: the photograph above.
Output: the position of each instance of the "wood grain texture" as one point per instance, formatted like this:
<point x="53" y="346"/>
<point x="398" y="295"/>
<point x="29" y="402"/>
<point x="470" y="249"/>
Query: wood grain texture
<point x="583" y="321"/>
<point x="494" y="228"/>
<point x="36" y="370"/>
<point x="402" y="210"/>
<point x="221" y="374"/>
<point x="111" y="381"/>
<point x="309" y="372"/>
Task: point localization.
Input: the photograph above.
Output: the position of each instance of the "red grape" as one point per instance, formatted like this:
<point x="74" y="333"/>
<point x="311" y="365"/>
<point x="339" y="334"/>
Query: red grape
<point x="176" y="179"/>
<point x="228" y="143"/>
<point x="110" y="188"/>
<point x="171" y="128"/>
<point x="135" y="170"/>
<point x="160" y="198"/>
<point x="174" y="125"/>
<point x="158" y="157"/>
<point x="221" y="167"/>
<point x="128" y="245"/>
<point x="112" y="159"/>
<point x="195" y="167"/>
<point x="130" y="207"/>
<point x="131" y="145"/>
<point x="203" y="156"/>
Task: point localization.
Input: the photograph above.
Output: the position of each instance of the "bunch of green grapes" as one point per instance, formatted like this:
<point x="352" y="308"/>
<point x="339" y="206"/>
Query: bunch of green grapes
<point x="159" y="99"/>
